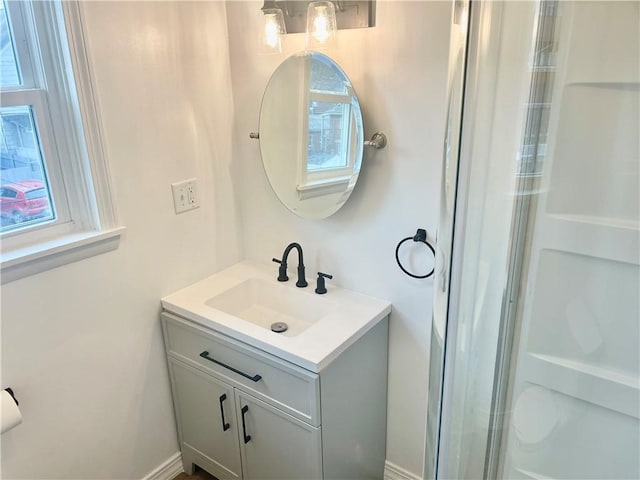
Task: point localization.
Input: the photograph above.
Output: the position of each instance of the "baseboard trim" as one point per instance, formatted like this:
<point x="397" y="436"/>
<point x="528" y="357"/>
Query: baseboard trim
<point x="394" y="472"/>
<point x="173" y="466"/>
<point x="168" y="470"/>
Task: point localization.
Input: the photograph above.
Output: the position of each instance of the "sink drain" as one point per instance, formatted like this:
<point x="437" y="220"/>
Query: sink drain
<point x="279" y="327"/>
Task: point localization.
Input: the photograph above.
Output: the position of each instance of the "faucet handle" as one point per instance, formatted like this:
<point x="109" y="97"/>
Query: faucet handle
<point x="282" y="271"/>
<point x="320" y="285"/>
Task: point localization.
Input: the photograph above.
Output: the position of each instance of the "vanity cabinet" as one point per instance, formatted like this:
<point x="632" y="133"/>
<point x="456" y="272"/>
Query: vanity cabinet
<point x="218" y="422"/>
<point x="244" y="413"/>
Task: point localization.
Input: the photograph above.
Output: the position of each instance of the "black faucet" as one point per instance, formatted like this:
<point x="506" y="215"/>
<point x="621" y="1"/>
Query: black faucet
<point x="282" y="270"/>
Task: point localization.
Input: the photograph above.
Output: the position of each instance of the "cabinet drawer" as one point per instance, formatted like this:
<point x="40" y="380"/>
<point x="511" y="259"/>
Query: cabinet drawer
<point x="280" y="383"/>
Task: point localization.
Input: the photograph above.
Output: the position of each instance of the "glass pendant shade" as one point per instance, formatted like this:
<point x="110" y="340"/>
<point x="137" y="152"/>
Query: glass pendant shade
<point x="272" y="31"/>
<point x="321" y="25"/>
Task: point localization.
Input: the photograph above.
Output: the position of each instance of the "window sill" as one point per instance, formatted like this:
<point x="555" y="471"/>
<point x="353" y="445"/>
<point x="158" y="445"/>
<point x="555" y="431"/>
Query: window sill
<point x="23" y="262"/>
<point x="322" y="187"/>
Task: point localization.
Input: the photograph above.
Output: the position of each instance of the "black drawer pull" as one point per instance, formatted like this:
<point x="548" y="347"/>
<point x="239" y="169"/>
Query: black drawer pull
<point x="247" y="438"/>
<point x="254" y="378"/>
<point x="225" y="425"/>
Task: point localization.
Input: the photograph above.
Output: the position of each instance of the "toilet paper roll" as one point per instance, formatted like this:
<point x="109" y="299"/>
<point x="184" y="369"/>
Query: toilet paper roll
<point x="10" y="415"/>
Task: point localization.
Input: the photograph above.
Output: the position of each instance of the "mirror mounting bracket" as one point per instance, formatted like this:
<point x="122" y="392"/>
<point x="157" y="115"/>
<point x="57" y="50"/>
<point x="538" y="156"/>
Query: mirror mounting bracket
<point x="378" y="141"/>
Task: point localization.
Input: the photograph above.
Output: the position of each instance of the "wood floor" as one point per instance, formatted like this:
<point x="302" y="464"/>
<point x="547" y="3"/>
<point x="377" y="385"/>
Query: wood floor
<point x="199" y="474"/>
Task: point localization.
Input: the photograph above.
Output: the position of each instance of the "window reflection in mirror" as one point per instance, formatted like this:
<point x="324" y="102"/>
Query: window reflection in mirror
<point x="328" y="124"/>
<point x="327" y="164"/>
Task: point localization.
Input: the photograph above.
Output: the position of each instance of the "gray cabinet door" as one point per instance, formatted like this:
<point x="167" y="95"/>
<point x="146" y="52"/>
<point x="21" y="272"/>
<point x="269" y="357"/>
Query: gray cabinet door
<point x="276" y="445"/>
<point x="206" y="415"/>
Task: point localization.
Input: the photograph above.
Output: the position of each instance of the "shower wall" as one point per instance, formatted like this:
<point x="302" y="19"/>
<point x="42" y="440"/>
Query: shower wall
<point x="575" y="374"/>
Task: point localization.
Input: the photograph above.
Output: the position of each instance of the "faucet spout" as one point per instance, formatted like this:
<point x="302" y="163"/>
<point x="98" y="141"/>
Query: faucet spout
<point x="282" y="271"/>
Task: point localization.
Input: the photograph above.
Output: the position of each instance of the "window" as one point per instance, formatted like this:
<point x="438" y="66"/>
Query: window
<point x="55" y="202"/>
<point x="327" y="165"/>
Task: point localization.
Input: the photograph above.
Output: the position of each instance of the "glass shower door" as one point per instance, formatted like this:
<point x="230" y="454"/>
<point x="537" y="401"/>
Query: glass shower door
<point x="541" y="366"/>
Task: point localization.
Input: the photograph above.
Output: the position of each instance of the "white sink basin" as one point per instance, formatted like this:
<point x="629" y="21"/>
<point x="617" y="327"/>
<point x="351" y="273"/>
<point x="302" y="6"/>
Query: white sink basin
<point x="245" y="299"/>
<point x="263" y="304"/>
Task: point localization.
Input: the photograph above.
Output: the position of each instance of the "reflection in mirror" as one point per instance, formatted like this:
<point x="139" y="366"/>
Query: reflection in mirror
<point x="311" y="135"/>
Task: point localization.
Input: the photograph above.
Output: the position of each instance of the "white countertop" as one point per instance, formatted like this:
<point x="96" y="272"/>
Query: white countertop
<point x="350" y="316"/>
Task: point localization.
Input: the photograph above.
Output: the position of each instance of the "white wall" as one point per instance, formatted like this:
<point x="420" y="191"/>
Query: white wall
<point x="399" y="70"/>
<point x="81" y="344"/>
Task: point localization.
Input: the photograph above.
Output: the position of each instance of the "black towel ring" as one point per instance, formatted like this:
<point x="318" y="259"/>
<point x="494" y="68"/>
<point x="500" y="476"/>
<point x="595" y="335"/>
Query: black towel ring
<point x="420" y="236"/>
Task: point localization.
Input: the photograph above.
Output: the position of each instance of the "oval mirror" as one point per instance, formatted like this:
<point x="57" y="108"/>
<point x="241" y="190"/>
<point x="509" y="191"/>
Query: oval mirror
<point x="311" y="137"/>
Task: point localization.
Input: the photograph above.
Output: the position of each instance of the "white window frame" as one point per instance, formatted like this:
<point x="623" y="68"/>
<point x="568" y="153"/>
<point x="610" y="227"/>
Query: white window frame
<point x="57" y="84"/>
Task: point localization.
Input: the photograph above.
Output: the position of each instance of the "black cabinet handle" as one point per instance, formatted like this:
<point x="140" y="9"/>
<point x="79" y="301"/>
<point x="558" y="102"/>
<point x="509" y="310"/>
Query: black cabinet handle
<point x="225" y="425"/>
<point x="254" y="378"/>
<point x="247" y="438"/>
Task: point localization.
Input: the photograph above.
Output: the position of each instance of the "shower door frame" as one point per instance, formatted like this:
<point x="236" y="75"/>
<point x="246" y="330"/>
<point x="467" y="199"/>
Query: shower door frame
<point x="476" y="58"/>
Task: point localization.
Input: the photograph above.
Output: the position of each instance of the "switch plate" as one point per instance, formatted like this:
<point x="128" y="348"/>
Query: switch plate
<point x="185" y="195"/>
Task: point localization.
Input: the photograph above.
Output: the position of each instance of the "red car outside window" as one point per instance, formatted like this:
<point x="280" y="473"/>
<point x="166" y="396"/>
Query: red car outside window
<point x="22" y="201"/>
